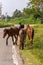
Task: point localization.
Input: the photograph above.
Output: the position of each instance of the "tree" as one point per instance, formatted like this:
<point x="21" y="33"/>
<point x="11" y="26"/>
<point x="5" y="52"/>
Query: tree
<point x="17" y="13"/>
<point x="3" y="17"/>
<point x="37" y="7"/>
<point x="27" y="11"/>
<point x="31" y="11"/>
<point x="37" y="4"/>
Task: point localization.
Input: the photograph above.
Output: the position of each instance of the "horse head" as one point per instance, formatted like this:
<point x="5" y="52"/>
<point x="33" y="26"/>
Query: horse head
<point x="4" y="33"/>
<point x="30" y="32"/>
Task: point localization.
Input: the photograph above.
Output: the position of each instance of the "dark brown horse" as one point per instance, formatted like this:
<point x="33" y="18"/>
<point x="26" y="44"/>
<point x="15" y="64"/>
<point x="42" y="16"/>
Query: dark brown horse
<point x="22" y="34"/>
<point x="12" y="32"/>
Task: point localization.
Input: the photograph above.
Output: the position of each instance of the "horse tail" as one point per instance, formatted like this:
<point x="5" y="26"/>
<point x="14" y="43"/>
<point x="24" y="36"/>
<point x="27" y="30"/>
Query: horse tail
<point x="32" y="33"/>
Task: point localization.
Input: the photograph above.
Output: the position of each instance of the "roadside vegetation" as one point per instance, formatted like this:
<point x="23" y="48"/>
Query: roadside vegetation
<point x="11" y="22"/>
<point x="32" y="14"/>
<point x="33" y="55"/>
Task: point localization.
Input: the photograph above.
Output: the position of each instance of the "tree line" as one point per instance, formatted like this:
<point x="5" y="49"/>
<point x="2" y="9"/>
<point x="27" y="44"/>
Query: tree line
<point x="34" y="8"/>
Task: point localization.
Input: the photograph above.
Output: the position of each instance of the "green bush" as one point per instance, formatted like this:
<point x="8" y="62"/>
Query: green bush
<point x="11" y="22"/>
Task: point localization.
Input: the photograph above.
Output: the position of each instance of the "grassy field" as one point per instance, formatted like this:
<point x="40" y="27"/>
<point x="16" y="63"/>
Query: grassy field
<point x="11" y="22"/>
<point x="33" y="55"/>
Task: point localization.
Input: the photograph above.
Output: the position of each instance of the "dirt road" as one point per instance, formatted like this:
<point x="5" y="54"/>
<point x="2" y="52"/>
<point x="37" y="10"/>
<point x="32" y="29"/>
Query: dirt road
<point x="9" y="55"/>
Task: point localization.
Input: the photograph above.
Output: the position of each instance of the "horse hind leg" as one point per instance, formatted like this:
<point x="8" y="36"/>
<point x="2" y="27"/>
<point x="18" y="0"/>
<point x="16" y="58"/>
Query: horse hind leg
<point x="31" y="41"/>
<point x="7" y="40"/>
<point x="31" y="37"/>
<point x="13" y="41"/>
<point x="21" y="46"/>
<point x="16" y="38"/>
<point x="32" y="33"/>
<point x="22" y="42"/>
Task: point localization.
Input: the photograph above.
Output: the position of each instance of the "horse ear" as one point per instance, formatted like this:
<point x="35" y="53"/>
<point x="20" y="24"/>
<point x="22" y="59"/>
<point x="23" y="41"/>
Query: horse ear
<point x="28" y="25"/>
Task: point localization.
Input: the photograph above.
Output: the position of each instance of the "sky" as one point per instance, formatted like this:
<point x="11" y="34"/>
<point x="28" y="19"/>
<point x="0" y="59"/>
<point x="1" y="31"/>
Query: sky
<point x="10" y="6"/>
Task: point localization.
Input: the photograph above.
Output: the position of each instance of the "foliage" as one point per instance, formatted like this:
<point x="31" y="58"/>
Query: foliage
<point x="11" y="22"/>
<point x="32" y="11"/>
<point x="17" y="13"/>
<point x="37" y="7"/>
<point x="37" y="3"/>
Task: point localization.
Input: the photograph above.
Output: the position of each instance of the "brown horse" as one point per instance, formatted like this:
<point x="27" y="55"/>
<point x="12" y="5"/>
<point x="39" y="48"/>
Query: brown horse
<point x="12" y="32"/>
<point x="22" y="34"/>
<point x="30" y="33"/>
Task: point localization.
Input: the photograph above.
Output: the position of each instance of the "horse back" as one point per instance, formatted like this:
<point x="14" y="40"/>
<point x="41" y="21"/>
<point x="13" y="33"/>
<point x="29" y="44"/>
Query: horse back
<point x="14" y="30"/>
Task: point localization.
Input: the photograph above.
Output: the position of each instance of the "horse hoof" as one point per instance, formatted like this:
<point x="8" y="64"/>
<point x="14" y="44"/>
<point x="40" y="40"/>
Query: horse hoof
<point x="16" y="43"/>
<point x="6" y="44"/>
<point x="13" y="43"/>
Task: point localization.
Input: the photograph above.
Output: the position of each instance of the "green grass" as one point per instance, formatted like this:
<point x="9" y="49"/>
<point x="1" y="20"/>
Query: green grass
<point x="33" y="55"/>
<point x="11" y="22"/>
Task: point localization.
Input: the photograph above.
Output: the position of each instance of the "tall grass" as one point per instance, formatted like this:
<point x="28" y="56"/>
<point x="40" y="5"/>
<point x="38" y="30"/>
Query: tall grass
<point x="11" y="22"/>
<point x="33" y="55"/>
